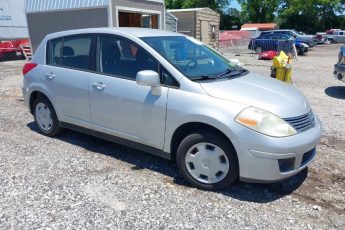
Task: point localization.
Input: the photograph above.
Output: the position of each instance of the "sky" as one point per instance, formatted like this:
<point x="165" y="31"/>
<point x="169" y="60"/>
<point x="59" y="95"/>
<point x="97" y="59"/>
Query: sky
<point x="234" y="4"/>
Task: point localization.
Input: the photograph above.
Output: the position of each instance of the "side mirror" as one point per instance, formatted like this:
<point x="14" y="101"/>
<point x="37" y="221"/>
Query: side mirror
<point x="150" y="78"/>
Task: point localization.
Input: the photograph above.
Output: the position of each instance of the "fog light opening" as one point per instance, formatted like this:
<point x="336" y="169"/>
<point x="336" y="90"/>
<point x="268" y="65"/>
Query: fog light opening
<point x="286" y="165"/>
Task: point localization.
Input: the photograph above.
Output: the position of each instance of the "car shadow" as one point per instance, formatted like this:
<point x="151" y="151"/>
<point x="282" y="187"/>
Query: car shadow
<point x="336" y="92"/>
<point x="250" y="192"/>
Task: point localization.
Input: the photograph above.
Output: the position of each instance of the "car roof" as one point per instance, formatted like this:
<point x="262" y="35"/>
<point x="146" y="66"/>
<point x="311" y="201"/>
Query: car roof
<point x="270" y="31"/>
<point x="271" y="34"/>
<point x="137" y="32"/>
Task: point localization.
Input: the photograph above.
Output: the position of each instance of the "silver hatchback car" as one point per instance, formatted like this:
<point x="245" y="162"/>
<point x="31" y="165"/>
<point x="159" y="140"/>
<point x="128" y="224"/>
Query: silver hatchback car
<point x="172" y="96"/>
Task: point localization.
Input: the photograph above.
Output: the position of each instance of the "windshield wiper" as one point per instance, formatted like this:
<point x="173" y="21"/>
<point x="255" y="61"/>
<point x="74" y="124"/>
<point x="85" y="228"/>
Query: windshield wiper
<point x="204" y="77"/>
<point x="232" y="73"/>
<point x="226" y="72"/>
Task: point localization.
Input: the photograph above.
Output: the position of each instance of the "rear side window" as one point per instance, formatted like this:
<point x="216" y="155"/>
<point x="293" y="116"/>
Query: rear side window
<point x="71" y="52"/>
<point x="54" y="55"/>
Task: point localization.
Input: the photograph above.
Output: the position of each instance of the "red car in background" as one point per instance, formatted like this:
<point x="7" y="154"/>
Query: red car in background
<point x="12" y="49"/>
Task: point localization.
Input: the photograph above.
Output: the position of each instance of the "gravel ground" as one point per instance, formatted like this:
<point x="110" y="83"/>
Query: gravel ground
<point x="80" y="182"/>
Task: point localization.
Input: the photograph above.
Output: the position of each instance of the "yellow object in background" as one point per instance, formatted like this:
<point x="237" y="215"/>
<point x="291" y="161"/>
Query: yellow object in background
<point x="282" y="68"/>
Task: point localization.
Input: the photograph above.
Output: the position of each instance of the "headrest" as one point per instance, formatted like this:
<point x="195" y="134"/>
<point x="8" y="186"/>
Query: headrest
<point x="67" y="51"/>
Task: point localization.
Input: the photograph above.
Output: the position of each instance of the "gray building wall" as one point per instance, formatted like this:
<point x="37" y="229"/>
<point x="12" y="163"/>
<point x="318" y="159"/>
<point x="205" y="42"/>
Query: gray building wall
<point x="186" y="22"/>
<point x="189" y="23"/>
<point x="139" y="4"/>
<point x="42" y="23"/>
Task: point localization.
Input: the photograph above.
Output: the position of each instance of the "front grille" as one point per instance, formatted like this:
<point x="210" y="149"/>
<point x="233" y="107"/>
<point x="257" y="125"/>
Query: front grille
<point x="302" y="123"/>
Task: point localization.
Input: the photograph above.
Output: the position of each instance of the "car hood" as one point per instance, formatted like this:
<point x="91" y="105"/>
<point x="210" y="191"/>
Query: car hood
<point x="262" y="92"/>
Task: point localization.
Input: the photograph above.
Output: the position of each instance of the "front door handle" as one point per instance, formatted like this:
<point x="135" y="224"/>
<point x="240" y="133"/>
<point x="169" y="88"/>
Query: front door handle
<point x="50" y="76"/>
<point x="99" y="85"/>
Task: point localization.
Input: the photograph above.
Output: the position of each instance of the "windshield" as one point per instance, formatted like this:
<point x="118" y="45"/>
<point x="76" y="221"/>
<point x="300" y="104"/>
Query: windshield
<point x="191" y="57"/>
<point x="297" y="32"/>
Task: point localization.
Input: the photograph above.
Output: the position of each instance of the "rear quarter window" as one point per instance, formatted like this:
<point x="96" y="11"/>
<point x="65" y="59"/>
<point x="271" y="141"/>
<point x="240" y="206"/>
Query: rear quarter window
<point x="53" y="51"/>
<point x="71" y="52"/>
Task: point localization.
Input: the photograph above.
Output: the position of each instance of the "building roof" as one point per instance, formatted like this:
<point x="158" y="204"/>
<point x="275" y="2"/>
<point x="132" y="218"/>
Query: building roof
<point x="261" y="26"/>
<point x="171" y="15"/>
<point x="188" y="9"/>
<point x="53" y="5"/>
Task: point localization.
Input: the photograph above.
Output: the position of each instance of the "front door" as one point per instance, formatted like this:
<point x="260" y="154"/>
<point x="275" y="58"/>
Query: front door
<point x="119" y="106"/>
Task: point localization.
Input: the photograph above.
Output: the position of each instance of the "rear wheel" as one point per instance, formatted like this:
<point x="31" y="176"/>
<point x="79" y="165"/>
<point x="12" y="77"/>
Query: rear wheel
<point x="207" y="161"/>
<point x="45" y="117"/>
<point x="329" y="41"/>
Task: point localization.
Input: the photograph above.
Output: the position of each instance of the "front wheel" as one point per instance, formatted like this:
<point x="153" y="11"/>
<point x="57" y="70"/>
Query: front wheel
<point x="302" y="51"/>
<point x="207" y="161"/>
<point x="45" y="117"/>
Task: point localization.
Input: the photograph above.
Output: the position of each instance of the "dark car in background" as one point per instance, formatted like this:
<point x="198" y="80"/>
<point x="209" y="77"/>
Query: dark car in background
<point x="310" y="40"/>
<point x="277" y="42"/>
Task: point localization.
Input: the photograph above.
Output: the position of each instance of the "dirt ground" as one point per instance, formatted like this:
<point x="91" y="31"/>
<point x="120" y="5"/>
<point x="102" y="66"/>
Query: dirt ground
<point x="80" y="182"/>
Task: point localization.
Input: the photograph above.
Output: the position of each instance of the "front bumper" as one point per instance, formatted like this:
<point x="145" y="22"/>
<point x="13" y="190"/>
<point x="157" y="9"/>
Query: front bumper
<point x="268" y="159"/>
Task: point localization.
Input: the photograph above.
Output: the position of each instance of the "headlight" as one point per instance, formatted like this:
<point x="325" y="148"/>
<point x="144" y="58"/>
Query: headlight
<point x="265" y="122"/>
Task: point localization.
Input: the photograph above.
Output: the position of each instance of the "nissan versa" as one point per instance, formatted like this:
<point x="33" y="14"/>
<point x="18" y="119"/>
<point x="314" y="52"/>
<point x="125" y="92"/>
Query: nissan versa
<point x="172" y="96"/>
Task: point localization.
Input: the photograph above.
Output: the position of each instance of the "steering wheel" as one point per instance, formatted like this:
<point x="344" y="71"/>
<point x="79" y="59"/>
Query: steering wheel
<point x="191" y="65"/>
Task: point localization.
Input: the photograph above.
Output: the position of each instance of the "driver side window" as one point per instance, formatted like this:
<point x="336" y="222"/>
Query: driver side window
<point x="123" y="58"/>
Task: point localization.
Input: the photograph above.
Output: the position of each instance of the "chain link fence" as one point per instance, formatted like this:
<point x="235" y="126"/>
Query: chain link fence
<point x="235" y="41"/>
<point x="263" y="45"/>
<point x="14" y="50"/>
<point x="240" y="42"/>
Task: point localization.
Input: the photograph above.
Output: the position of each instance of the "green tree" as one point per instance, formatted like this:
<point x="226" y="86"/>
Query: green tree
<point x="257" y="11"/>
<point x="231" y="19"/>
<point x="218" y="5"/>
<point x="312" y="15"/>
<point x="173" y="4"/>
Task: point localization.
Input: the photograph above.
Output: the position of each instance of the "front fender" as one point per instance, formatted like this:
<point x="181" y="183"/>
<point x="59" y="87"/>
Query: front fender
<point x="185" y="107"/>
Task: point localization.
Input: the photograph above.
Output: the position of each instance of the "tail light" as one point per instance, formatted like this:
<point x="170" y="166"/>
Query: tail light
<point x="28" y="67"/>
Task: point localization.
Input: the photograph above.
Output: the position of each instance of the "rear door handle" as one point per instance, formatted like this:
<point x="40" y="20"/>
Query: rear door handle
<point x="99" y="85"/>
<point x="50" y="76"/>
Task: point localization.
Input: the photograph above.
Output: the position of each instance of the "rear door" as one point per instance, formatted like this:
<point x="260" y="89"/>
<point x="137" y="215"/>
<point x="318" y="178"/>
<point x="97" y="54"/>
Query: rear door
<point x="119" y="106"/>
<point x="67" y="73"/>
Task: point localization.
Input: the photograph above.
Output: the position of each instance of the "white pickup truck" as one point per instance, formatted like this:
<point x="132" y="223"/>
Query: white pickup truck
<point x="337" y="36"/>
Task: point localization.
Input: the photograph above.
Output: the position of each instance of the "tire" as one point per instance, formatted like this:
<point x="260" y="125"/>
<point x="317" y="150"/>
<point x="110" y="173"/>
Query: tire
<point x="45" y="117"/>
<point x="329" y="41"/>
<point x="217" y="152"/>
<point x="258" y="49"/>
<point x="301" y="51"/>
